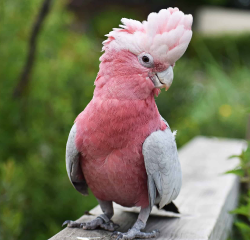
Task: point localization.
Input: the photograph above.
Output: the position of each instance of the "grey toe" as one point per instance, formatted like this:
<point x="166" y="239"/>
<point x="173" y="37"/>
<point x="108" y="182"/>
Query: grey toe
<point x="135" y="233"/>
<point x="93" y="224"/>
<point x="72" y="224"/>
<point x="110" y="226"/>
<point x="96" y="223"/>
<point x="66" y="222"/>
<point x="144" y="235"/>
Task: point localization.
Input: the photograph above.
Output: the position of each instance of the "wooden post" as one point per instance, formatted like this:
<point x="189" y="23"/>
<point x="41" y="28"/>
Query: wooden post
<point x="205" y="200"/>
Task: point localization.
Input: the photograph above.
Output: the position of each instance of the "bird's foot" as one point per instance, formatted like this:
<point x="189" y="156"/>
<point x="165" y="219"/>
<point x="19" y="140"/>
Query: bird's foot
<point x="100" y="222"/>
<point x="135" y="233"/>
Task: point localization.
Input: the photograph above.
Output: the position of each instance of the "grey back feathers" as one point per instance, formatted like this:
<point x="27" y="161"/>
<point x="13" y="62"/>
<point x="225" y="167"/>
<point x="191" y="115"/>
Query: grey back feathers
<point x="73" y="164"/>
<point x="162" y="166"/>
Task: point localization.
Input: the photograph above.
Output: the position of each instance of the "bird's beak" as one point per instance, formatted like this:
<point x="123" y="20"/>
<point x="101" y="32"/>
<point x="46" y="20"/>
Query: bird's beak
<point x="163" y="79"/>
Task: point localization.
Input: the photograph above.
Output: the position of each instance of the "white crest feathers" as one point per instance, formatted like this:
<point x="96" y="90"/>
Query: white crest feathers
<point x="165" y="35"/>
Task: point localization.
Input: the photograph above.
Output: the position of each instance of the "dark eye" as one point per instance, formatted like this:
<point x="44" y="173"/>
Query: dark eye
<point x="146" y="60"/>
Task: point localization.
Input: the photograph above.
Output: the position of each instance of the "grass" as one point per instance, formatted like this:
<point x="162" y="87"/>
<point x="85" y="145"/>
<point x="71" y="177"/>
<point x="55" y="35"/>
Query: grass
<point x="242" y="212"/>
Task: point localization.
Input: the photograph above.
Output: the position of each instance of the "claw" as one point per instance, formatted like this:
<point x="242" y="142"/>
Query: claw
<point x="66" y="222"/>
<point x="119" y="236"/>
<point x="115" y="233"/>
<point x="82" y="225"/>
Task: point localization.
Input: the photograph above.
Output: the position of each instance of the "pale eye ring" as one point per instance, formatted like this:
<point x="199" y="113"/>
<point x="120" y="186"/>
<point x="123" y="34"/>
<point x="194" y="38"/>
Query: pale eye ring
<point x="146" y="60"/>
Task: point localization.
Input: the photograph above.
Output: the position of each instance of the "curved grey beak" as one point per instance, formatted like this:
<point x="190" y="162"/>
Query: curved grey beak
<point x="163" y="79"/>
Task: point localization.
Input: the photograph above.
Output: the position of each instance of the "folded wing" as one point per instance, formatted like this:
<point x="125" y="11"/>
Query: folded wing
<point x="162" y="166"/>
<point x="73" y="164"/>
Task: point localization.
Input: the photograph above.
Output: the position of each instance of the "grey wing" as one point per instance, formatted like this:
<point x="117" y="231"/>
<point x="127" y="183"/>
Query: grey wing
<point x="73" y="167"/>
<point x="162" y="166"/>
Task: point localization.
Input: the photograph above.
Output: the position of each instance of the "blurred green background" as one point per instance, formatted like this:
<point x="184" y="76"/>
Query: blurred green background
<point x="209" y="96"/>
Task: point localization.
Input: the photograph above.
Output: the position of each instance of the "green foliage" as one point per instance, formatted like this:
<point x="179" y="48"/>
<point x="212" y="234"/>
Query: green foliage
<point x="244" y="229"/>
<point x="243" y="168"/>
<point x="105" y="21"/>
<point x="36" y="195"/>
<point x="209" y="96"/>
<point x="12" y="202"/>
<point x="243" y="211"/>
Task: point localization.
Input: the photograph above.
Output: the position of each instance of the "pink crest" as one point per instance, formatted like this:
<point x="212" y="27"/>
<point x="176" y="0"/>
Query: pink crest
<point x="165" y="35"/>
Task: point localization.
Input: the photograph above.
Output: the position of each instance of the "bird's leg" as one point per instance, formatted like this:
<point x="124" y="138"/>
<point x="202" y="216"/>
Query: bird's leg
<point x="103" y="221"/>
<point x="135" y="231"/>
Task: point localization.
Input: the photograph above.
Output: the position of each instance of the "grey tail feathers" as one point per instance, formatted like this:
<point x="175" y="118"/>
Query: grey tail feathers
<point x="169" y="207"/>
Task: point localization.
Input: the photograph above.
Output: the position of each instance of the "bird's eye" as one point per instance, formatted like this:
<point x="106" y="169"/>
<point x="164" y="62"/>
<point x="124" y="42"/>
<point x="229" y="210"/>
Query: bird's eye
<point x="146" y="60"/>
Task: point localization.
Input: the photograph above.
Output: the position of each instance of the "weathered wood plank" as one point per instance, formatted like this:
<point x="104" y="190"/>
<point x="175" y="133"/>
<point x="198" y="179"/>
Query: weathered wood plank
<point x="205" y="199"/>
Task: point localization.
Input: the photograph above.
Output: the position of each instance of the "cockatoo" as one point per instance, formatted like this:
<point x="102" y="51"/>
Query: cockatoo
<point x="119" y="146"/>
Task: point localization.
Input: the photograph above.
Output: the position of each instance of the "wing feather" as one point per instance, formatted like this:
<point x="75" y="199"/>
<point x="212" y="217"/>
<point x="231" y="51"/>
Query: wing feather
<point x="73" y="166"/>
<point x="162" y="166"/>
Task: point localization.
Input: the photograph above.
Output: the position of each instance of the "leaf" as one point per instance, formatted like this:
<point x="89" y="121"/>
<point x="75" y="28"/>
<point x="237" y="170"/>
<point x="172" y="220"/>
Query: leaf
<point x="238" y="172"/>
<point x="242" y="210"/>
<point x="244" y="229"/>
<point x="243" y="226"/>
<point x="235" y="156"/>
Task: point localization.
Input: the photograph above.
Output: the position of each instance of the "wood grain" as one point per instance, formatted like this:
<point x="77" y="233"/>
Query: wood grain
<point x="206" y="197"/>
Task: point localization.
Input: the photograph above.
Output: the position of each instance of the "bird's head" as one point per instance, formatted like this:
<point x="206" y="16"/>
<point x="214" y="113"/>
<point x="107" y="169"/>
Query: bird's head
<point x="141" y="55"/>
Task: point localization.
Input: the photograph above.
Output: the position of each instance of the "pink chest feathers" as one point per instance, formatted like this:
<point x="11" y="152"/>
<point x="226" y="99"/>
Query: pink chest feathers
<point x="110" y="134"/>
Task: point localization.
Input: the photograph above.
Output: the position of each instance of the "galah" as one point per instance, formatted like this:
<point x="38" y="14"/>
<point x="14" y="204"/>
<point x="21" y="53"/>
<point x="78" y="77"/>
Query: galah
<point x="119" y="146"/>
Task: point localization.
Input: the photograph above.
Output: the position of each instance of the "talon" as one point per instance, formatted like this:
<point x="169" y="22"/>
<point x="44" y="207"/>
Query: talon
<point x="66" y="222"/>
<point x="157" y="232"/>
<point x="82" y="225"/>
<point x="119" y="236"/>
<point x="115" y="233"/>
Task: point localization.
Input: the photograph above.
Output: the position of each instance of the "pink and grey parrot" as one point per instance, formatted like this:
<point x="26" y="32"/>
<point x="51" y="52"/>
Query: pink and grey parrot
<point x="119" y="146"/>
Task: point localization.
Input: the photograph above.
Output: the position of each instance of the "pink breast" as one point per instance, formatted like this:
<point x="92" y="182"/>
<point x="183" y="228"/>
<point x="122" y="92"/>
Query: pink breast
<point x="110" y="139"/>
<point x="121" y="178"/>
